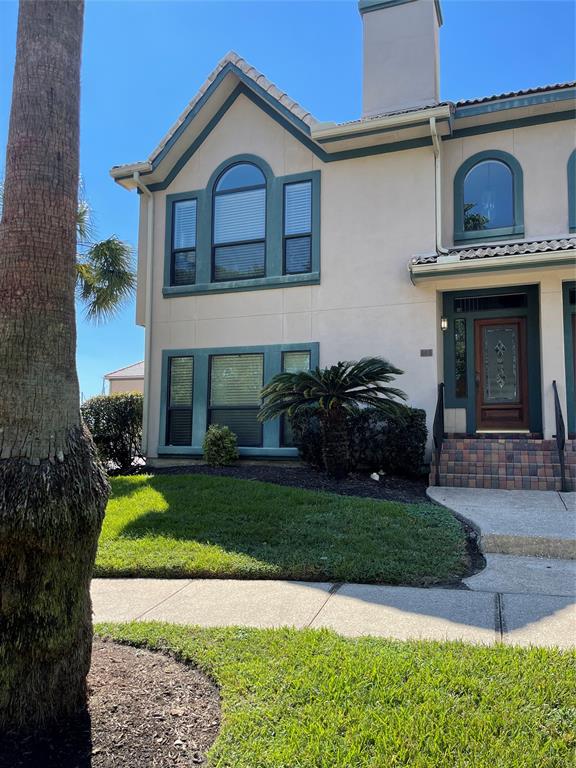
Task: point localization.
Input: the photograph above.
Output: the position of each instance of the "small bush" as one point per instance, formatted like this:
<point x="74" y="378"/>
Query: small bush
<point x="115" y="422"/>
<point x="394" y="444"/>
<point x="220" y="446"/>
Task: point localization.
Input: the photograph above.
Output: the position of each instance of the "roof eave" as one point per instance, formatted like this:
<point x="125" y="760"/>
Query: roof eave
<point x="327" y="131"/>
<point x="491" y="264"/>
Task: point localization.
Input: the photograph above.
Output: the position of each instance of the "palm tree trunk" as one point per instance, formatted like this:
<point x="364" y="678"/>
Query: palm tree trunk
<point x="335" y="442"/>
<point x="52" y="489"/>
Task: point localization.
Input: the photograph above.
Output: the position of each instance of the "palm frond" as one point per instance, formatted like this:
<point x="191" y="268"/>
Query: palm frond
<point x="105" y="278"/>
<point x="345" y="386"/>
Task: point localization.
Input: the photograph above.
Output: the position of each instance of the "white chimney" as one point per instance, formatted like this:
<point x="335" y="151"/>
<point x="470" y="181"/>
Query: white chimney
<point x="401" y="64"/>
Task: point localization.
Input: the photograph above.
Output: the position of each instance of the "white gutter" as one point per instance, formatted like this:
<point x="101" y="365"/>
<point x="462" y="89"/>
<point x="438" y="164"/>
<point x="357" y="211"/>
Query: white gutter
<point x="148" y="304"/>
<point x="440" y="250"/>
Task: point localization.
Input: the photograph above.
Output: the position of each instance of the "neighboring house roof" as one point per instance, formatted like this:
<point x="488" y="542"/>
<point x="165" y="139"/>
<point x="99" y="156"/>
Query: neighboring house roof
<point x="514" y="94"/>
<point x="505" y="249"/>
<point x="135" y="371"/>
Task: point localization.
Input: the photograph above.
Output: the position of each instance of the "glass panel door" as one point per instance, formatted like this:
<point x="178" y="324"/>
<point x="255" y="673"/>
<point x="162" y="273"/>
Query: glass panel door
<point x="501" y="375"/>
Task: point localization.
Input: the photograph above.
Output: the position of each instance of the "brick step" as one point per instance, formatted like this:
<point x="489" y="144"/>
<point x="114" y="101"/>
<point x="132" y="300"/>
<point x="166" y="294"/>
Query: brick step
<point x="502" y="483"/>
<point x="517" y="444"/>
<point x="504" y="470"/>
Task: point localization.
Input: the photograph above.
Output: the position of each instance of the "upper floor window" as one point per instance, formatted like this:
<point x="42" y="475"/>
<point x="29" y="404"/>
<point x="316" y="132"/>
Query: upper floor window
<point x="247" y="229"/>
<point x="297" y="227"/>
<point x="488" y="198"/>
<point x="183" y="261"/>
<point x="239" y="232"/>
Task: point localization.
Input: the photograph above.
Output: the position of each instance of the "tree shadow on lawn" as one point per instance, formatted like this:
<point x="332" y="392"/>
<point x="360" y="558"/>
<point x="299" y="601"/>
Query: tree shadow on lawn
<point x="250" y="529"/>
<point x="304" y="539"/>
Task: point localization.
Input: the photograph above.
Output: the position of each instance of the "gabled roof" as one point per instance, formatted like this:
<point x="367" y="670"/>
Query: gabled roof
<point x="329" y="141"/>
<point x="253" y="74"/>
<point x="234" y="64"/>
<point x="135" y="371"/>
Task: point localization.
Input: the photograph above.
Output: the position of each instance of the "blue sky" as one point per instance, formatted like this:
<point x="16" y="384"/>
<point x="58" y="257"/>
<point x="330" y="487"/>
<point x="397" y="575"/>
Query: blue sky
<point x="143" y="62"/>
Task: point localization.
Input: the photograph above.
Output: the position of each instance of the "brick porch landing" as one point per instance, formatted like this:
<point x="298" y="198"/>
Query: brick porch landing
<point x="505" y="463"/>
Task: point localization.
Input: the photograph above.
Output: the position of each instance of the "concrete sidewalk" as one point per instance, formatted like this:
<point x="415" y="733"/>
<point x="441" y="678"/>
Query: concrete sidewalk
<point x="483" y="617"/>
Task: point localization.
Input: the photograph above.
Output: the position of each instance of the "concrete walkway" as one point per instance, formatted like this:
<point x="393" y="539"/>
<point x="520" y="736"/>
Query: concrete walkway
<point x="476" y="616"/>
<point x="526" y="523"/>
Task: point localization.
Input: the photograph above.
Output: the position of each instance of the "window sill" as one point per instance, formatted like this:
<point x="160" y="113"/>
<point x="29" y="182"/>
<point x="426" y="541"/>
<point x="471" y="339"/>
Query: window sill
<point x="484" y="235"/>
<point x="252" y="284"/>
<point x="197" y="451"/>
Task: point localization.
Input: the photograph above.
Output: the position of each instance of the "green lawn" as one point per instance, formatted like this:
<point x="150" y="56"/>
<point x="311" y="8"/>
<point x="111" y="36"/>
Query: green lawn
<point x="309" y="699"/>
<point x="200" y="526"/>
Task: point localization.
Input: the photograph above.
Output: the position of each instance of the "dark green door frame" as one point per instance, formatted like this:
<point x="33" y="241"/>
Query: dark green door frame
<point x="532" y="313"/>
<point x="569" y="303"/>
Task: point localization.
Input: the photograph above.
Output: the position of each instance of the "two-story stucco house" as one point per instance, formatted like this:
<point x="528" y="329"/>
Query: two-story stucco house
<point x="432" y="233"/>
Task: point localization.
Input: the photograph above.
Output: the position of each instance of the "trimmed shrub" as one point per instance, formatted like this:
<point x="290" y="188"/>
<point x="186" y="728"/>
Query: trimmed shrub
<point x="115" y="422"/>
<point x="394" y="444"/>
<point x="220" y="446"/>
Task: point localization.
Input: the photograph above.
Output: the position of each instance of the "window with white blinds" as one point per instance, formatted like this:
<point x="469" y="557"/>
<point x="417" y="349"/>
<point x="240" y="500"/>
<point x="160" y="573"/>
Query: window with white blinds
<point x="297" y="227"/>
<point x="239" y="228"/>
<point x="292" y="362"/>
<point x="234" y="398"/>
<point x="179" y="401"/>
<point x="183" y="261"/>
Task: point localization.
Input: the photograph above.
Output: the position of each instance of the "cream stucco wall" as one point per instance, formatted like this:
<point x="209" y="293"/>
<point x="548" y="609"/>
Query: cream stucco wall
<point x="376" y="212"/>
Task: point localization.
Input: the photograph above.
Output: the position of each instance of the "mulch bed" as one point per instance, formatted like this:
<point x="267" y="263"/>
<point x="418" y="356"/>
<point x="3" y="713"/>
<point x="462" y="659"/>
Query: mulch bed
<point x="388" y="488"/>
<point x="146" y="710"/>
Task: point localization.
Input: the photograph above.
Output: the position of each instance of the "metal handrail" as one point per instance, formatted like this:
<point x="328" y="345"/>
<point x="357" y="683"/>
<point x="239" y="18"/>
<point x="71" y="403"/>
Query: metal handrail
<point x="438" y="431"/>
<point x="560" y="437"/>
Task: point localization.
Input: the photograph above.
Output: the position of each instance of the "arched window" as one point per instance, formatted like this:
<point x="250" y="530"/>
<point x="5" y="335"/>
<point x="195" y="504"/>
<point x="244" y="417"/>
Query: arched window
<point x="239" y="230"/>
<point x="488" y="198"/>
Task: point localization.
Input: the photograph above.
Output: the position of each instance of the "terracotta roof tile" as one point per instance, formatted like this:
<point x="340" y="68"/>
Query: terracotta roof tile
<point x="504" y="249"/>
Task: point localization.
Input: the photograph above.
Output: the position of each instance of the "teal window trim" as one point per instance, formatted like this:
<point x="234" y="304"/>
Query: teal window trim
<point x="572" y="192"/>
<point x="569" y="311"/>
<point x="274" y="277"/>
<point x="531" y="312"/>
<point x="271" y="445"/>
<point x="484" y="235"/>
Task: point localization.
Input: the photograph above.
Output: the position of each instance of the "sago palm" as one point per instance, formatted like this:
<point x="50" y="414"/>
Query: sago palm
<point x="332" y="393"/>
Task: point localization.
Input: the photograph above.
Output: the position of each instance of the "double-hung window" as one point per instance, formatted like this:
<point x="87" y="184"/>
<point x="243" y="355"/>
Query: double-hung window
<point x="239" y="229"/>
<point x="235" y="385"/>
<point x="297" y="240"/>
<point x="179" y="401"/>
<point x="292" y="362"/>
<point x="183" y="256"/>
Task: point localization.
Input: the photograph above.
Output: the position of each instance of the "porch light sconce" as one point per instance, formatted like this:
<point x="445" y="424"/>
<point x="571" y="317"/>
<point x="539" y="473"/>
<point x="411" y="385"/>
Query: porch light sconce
<point x="444" y="323"/>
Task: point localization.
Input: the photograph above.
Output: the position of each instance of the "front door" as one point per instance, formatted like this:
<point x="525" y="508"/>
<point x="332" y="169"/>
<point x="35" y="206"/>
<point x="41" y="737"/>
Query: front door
<point x="501" y="374"/>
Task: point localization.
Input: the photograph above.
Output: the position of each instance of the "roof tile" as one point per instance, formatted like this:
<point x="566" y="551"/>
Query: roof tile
<point x="504" y="249"/>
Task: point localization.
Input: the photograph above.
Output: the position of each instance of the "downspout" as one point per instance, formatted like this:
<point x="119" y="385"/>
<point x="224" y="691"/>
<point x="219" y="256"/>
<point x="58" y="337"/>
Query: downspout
<point x="440" y="250"/>
<point x="148" y="305"/>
